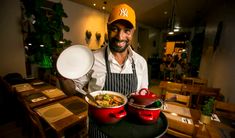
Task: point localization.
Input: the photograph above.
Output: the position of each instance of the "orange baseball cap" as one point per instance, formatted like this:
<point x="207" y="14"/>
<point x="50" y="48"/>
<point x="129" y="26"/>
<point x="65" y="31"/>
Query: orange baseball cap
<point x="122" y="12"/>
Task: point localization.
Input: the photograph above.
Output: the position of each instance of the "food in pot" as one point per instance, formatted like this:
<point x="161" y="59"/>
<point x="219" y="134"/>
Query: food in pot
<point x="109" y="100"/>
<point x="112" y="111"/>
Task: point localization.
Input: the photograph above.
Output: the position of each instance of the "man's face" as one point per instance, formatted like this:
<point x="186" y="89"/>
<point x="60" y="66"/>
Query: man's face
<point x="120" y="35"/>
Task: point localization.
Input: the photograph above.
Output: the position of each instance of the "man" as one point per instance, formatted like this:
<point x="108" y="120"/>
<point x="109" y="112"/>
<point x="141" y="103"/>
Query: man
<point x="117" y="67"/>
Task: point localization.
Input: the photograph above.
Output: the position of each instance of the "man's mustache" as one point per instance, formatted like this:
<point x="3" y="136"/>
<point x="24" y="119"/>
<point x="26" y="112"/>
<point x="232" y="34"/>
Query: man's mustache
<point x="119" y="41"/>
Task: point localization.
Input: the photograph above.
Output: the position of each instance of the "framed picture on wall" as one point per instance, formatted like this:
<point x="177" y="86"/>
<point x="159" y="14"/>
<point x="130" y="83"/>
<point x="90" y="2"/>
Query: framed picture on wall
<point x="218" y="35"/>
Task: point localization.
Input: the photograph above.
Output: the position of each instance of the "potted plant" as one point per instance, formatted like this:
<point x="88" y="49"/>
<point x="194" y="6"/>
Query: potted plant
<point x="206" y="111"/>
<point x="43" y="30"/>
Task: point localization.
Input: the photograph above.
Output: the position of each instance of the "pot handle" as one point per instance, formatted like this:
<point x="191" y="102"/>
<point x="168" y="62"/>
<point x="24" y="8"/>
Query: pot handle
<point x="119" y="114"/>
<point x="144" y="89"/>
<point x="146" y="116"/>
<point x="148" y="92"/>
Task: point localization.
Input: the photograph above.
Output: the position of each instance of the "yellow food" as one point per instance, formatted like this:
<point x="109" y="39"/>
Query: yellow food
<point x="109" y="100"/>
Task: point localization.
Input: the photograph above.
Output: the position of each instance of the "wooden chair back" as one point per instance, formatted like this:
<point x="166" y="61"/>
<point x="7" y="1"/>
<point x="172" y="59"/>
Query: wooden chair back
<point x="163" y="84"/>
<point x="187" y="80"/>
<point x="174" y="87"/>
<point x="200" y="82"/>
<point x="206" y="93"/>
<point x="33" y="122"/>
<point x="14" y="78"/>
<point x="181" y="100"/>
<point x="188" y="89"/>
<point x="193" y="91"/>
<point x="210" y="91"/>
<point x="225" y="109"/>
<point x="53" y="80"/>
<point x="194" y="81"/>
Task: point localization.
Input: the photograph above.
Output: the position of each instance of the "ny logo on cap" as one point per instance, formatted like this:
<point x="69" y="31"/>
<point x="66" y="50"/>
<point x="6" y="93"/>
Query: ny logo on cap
<point x="123" y="12"/>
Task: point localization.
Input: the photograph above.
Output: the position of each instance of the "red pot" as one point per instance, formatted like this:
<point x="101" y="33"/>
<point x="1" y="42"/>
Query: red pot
<point x="107" y="115"/>
<point x="143" y="114"/>
<point x="143" y="97"/>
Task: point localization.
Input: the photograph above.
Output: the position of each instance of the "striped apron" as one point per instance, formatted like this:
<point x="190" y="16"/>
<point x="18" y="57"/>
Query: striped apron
<point x="123" y="83"/>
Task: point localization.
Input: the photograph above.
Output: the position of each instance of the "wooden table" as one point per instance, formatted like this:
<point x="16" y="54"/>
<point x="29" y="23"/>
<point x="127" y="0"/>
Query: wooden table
<point x="176" y="114"/>
<point x="75" y="111"/>
<point x="38" y="94"/>
<point x="179" y="118"/>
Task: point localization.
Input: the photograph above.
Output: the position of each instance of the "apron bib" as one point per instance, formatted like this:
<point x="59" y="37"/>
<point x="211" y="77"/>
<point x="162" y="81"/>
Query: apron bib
<point x="123" y="83"/>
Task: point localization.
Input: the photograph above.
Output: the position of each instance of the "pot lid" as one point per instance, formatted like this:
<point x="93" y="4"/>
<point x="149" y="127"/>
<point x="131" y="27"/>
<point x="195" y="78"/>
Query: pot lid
<point x="143" y="97"/>
<point x="75" y="61"/>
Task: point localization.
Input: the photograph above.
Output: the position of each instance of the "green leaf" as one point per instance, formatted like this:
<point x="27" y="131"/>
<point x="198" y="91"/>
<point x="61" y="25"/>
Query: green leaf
<point x="57" y="36"/>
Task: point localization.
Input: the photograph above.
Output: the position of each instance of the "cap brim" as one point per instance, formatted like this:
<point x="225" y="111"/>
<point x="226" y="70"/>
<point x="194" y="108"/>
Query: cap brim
<point x="128" y="23"/>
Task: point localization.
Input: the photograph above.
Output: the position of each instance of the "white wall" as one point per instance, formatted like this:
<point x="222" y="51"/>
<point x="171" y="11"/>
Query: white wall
<point x="218" y="66"/>
<point x="82" y="18"/>
<point x="12" y="50"/>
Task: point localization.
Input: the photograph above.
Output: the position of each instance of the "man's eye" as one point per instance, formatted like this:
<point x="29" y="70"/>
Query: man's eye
<point x="128" y="31"/>
<point x="114" y="29"/>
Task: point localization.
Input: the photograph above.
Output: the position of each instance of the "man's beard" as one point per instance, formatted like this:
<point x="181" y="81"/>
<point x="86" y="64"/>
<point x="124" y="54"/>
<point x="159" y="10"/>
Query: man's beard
<point x="114" y="48"/>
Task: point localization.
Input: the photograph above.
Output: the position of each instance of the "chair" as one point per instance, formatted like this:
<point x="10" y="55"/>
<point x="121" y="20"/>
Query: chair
<point x="193" y="91"/>
<point x="178" y="99"/>
<point x="53" y="80"/>
<point x="187" y="80"/>
<point x="200" y="82"/>
<point x="205" y="93"/>
<point x="174" y="87"/>
<point x="163" y="84"/>
<point x="225" y="109"/>
<point x="36" y="127"/>
<point x="14" y="78"/>
<point x="188" y="89"/>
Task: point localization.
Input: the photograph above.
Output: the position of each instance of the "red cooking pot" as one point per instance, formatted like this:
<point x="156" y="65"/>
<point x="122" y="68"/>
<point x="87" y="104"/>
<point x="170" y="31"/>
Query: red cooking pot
<point x="146" y="115"/>
<point x="107" y="115"/>
<point x="145" y="106"/>
<point x="143" y="97"/>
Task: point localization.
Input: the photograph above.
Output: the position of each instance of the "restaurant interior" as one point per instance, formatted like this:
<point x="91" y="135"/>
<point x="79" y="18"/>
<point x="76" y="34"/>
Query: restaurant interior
<point x="188" y="46"/>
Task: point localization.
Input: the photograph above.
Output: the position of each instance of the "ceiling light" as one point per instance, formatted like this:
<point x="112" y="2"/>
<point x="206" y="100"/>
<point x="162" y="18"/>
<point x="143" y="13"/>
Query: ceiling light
<point x="94" y="4"/>
<point x="176" y="29"/>
<point x="177" y="26"/>
<point x="170" y="32"/>
<point x="61" y="42"/>
<point x="103" y="7"/>
<point x="172" y="19"/>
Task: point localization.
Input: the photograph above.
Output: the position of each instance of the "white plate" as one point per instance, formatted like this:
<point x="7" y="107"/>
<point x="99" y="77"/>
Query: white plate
<point x="75" y="61"/>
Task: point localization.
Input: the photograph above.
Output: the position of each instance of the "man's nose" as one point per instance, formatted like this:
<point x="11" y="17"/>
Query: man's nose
<point x="121" y="34"/>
